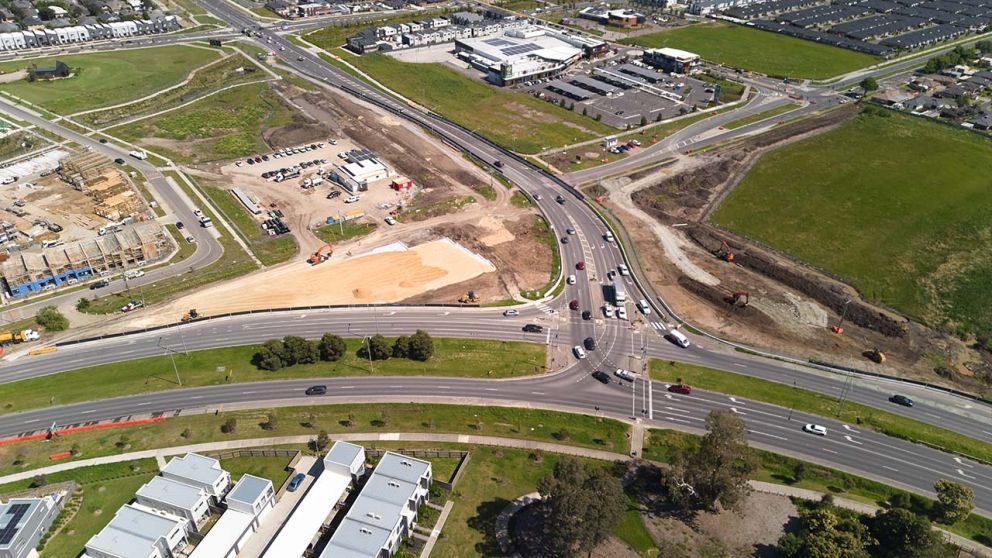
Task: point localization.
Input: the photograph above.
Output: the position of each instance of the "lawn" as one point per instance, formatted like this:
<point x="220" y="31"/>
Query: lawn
<point x="818" y="404"/>
<point x="108" y="78"/>
<point x="347" y="230"/>
<point x="13" y="144"/>
<point x="452" y="357"/>
<point x="737" y="46"/>
<point x="507" y="422"/>
<point x="270" y="250"/>
<point x="900" y="207"/>
<point x="545" y="232"/>
<point x="518" y="121"/>
<point x="273" y="468"/>
<point x="772" y="112"/>
<point x="224" y="126"/>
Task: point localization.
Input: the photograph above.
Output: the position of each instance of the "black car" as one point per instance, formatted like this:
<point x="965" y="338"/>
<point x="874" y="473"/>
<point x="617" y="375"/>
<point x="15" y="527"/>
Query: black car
<point x="316" y="390"/>
<point x="534" y="328"/>
<point x="333" y="195"/>
<point x="601" y="376"/>
<point x="265" y="157"/>
<point x="560" y="199"/>
<point x="901" y="400"/>
<point x="99" y="284"/>
<point x="498" y="164"/>
<point x="103" y="140"/>
<point x="586" y="315"/>
<point x="589" y="343"/>
<point x="564" y="240"/>
<point x="180" y="225"/>
<point x="119" y="161"/>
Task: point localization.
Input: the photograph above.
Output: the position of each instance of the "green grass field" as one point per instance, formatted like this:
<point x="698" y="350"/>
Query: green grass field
<point x="269" y="250"/>
<point x="518" y="121"/>
<point x="895" y="204"/>
<point x="340" y="232"/>
<point x="273" y="468"/>
<point x="769" y="53"/>
<point x="108" y="78"/>
<point x="224" y="126"/>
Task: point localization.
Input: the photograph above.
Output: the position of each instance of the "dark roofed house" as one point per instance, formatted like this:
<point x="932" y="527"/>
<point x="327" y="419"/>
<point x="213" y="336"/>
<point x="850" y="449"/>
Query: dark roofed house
<point x="59" y="70"/>
<point x="364" y="41"/>
<point x="982" y="121"/>
<point x="952" y="92"/>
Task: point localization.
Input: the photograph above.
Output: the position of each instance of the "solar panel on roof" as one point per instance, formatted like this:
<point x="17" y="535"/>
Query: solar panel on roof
<point x="17" y="511"/>
<point x="520" y="49"/>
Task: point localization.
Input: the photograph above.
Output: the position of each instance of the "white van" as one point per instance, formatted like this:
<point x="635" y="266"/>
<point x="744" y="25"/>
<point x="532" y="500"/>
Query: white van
<point x="642" y="305"/>
<point x="580" y="353"/>
<point x="675" y="336"/>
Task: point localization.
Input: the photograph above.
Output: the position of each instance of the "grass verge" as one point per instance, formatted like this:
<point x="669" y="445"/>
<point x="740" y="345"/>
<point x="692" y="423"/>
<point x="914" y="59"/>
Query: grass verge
<point x="545" y="232"/>
<point x="340" y="232"/>
<point x="770" y="113"/>
<point x="811" y="402"/>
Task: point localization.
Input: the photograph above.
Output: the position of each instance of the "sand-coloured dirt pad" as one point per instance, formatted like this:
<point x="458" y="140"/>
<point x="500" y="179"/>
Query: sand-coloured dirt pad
<point x="379" y="277"/>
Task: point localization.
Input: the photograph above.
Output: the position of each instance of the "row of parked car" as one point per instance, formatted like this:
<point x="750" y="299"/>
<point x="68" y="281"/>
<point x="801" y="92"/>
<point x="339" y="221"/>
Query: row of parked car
<point x="285" y="152"/>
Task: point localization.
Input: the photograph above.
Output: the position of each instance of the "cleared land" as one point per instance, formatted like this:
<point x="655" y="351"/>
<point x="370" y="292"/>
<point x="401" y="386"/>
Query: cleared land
<point x="108" y="78"/>
<point x="518" y="121"/>
<point x="896" y="205"/>
<point x="269" y="250"/>
<point x="227" y="125"/>
<point x="766" y="52"/>
<point x="452" y="357"/>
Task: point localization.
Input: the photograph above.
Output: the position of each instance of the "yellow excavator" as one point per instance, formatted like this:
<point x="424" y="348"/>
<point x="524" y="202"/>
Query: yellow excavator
<point x="191" y="315"/>
<point x="469" y="298"/>
<point x="876" y="355"/>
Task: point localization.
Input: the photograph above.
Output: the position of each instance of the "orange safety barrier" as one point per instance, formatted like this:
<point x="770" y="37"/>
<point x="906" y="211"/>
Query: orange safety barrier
<point x="60" y="455"/>
<point x="74" y="429"/>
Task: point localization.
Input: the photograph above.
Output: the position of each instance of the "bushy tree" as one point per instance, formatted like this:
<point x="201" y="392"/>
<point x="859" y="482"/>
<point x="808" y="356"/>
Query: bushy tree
<point x="376" y="346"/>
<point x="272" y="355"/>
<point x="322" y="441"/>
<point x="421" y="346"/>
<point x="954" y="501"/>
<point x="298" y="350"/>
<point x="869" y="84"/>
<point x="401" y="347"/>
<point x="51" y="319"/>
<point x="899" y="533"/>
<point x="582" y="505"/>
<point x="271" y="421"/>
<point x="822" y="534"/>
<point x="230" y="426"/>
<point x="332" y="347"/>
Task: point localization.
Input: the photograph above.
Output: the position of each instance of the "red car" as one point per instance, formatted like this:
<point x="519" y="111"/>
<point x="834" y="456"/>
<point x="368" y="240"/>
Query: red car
<point x="574" y="305"/>
<point x="684" y="389"/>
<point x="580" y="266"/>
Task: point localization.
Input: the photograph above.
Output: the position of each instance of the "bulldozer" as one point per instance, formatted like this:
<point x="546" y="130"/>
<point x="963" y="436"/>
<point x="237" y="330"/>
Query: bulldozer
<point x="322" y="254"/>
<point x="725" y="253"/>
<point x="191" y="315"/>
<point x="876" y="355"/>
<point x="741" y="299"/>
<point x="469" y="298"/>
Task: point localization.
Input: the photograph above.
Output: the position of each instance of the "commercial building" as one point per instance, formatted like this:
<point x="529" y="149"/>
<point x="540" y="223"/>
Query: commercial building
<point x="671" y="60"/>
<point x="385" y="511"/>
<point x="247" y="503"/>
<point x="343" y="464"/>
<point x="176" y="498"/>
<point x="356" y="176"/>
<point x="619" y="18"/>
<point x="139" y="532"/>
<point x="23" y="521"/>
<point x="520" y="54"/>
<point x="200" y="472"/>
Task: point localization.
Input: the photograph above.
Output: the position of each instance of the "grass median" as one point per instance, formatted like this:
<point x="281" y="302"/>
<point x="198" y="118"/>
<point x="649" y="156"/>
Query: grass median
<point x="476" y="358"/>
<point x="811" y="402"/>
<point x="772" y="112"/>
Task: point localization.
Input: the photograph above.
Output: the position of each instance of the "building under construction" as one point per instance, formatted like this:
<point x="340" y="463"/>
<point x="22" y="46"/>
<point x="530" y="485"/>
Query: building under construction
<point x="81" y="168"/>
<point x="25" y="273"/>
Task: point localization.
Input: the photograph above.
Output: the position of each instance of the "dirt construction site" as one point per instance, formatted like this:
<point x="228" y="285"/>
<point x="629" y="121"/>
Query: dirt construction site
<point x="761" y="297"/>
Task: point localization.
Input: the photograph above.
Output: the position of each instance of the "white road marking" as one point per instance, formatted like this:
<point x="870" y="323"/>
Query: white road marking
<point x="734" y="410"/>
<point x="962" y="473"/>
<point x="673" y="419"/>
<point x="766" y="434"/>
<point x="347" y="387"/>
<point x="890" y="468"/>
<point x="961" y="462"/>
<point x="443" y="387"/>
<point x="537" y="393"/>
<point x="849" y="429"/>
<point x="491" y="389"/>
<point x="828" y="451"/>
<point x="849" y="439"/>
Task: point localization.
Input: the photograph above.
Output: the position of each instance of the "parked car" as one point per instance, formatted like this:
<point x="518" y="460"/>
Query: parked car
<point x="119" y="161"/>
<point x="333" y="195"/>
<point x="901" y="400"/>
<point x="534" y="328"/>
<point x="351" y="199"/>
<point x="621" y="312"/>
<point x="684" y="389"/>
<point x="298" y="479"/>
<point x="511" y="312"/>
<point x="601" y="376"/>
<point x="608" y="311"/>
<point x="317" y="390"/>
<point x="815" y="429"/>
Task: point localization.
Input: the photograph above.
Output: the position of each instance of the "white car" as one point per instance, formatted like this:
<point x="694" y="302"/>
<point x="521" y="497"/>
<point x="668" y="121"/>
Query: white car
<point x="815" y="429"/>
<point x="622" y="312"/>
<point x="623" y="270"/>
<point x="390" y="221"/>
<point x="351" y="199"/>
<point x="624" y="374"/>
<point x="511" y="312"/>
<point x="580" y="353"/>
<point x="8" y="180"/>
<point x="570" y="280"/>
<point x="643" y="306"/>
<point x="197" y="212"/>
<point x="608" y="311"/>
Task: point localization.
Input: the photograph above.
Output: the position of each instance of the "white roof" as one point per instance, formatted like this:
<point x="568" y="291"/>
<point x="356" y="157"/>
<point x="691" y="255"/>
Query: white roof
<point x="175" y="493"/>
<point x="195" y="467"/>
<point x="224" y="534"/>
<point x="676" y="53"/>
<point x="295" y="535"/>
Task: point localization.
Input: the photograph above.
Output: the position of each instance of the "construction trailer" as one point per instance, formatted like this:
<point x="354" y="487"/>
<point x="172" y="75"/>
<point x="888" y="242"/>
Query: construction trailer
<point x="30" y="272"/>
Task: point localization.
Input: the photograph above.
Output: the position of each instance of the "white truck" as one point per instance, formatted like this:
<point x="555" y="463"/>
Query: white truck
<point x="619" y="293"/>
<point x="138" y="154"/>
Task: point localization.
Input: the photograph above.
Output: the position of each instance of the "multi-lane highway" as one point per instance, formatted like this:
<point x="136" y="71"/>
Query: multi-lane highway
<point x="569" y="385"/>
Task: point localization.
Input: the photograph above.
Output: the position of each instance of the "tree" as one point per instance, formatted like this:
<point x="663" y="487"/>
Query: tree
<point x="715" y="471"/>
<point x="799" y="471"/>
<point x="421" y="346"/>
<point x="271" y="421"/>
<point x="954" y="501"/>
<point x="299" y="350"/>
<point x="82" y="304"/>
<point x="899" y="533"/>
<point x="51" y="319"/>
<point x="401" y="348"/>
<point x="869" y="84"/>
<point x="272" y="355"/>
<point x="332" y="347"/>
<point x="822" y="535"/>
<point x="38" y="481"/>
<point x="186" y="433"/>
<point x="322" y="441"/>
<point x="375" y="346"/>
<point x="644" y="121"/>
<point x="230" y="426"/>
<point x="581" y="505"/>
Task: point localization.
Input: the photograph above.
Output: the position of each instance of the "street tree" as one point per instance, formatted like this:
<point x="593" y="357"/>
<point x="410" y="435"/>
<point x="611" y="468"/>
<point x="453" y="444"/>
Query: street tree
<point x="375" y="347"/>
<point x="822" y="534"/>
<point x="332" y="347"/>
<point x="271" y="356"/>
<point x="869" y="84"/>
<point x="581" y="505"/>
<point x="299" y="350"/>
<point x="954" y="501"/>
<point x="421" y="346"/>
<point x="401" y="347"/>
<point x="899" y="533"/>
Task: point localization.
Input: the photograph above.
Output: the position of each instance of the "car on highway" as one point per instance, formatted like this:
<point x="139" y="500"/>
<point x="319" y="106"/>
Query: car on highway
<point x="625" y="374"/>
<point x="589" y="343"/>
<point x="676" y="336"/>
<point x="570" y="231"/>
<point x="103" y="140"/>
<point x="534" y="328"/>
<point x="298" y="479"/>
<point x="643" y="306"/>
<point x="684" y="389"/>
<point x="298" y="58"/>
<point x="901" y="400"/>
<point x="511" y="312"/>
<point x="815" y="429"/>
<point x="623" y="270"/>
<point x="580" y="266"/>
<point x="538" y="197"/>
<point x="560" y="199"/>
<point x="601" y="376"/>
<point x="579" y="352"/>
<point x="573" y="305"/>
<point x="586" y="315"/>
<point x="570" y="280"/>
<point x="316" y="390"/>
<point x="564" y="240"/>
<point x="197" y="212"/>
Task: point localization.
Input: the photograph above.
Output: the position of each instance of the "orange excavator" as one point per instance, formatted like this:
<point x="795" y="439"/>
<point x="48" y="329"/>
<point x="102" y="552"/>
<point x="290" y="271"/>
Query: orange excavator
<point x="725" y="253"/>
<point x="322" y="254"/>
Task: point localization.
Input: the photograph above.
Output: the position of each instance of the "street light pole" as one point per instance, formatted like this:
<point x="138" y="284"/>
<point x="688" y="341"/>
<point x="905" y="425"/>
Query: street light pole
<point x="368" y="345"/>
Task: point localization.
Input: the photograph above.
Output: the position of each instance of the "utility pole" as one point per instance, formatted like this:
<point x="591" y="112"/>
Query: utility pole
<point x="172" y="357"/>
<point x="368" y="345"/>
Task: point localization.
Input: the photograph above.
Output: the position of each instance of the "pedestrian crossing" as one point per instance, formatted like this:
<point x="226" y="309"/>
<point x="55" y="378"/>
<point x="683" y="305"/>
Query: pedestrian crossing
<point x="544" y="308"/>
<point x="658" y="326"/>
